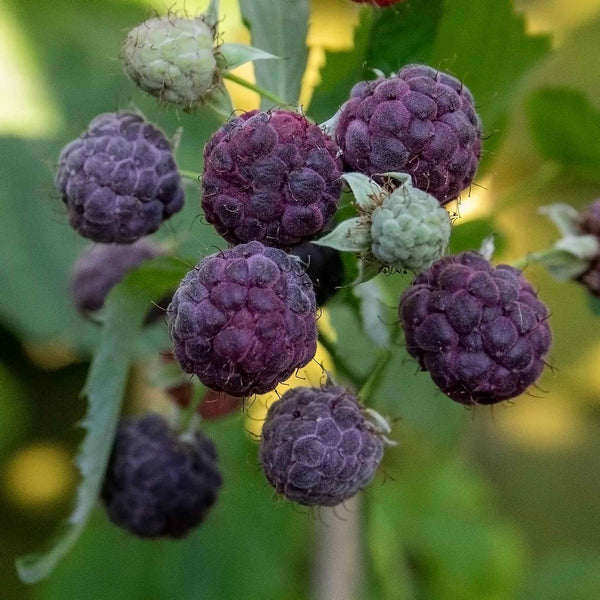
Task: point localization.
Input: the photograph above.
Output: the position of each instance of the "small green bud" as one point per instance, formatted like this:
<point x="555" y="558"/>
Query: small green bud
<point x="410" y="230"/>
<point x="173" y="59"/>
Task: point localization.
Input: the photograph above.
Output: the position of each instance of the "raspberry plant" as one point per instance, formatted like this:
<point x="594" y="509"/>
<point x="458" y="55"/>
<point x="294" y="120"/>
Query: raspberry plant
<point x="349" y="202"/>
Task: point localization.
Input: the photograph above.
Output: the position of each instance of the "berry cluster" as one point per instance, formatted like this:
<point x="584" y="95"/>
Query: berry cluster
<point x="244" y="319"/>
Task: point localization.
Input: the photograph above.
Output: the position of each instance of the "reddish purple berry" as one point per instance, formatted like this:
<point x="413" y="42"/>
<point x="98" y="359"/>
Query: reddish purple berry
<point x="119" y="179"/>
<point x="317" y="447"/>
<point x="156" y="484"/>
<point x="272" y="177"/>
<point x="244" y="320"/>
<point x="479" y="330"/>
<point x="422" y="122"/>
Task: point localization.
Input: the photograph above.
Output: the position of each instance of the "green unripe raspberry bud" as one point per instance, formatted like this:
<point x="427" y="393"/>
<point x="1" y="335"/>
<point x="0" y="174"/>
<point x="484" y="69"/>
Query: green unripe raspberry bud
<point x="172" y="58"/>
<point x="410" y="230"/>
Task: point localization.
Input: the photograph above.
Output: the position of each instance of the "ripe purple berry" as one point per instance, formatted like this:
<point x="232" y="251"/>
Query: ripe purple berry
<point x="317" y="447"/>
<point x="272" y="177"/>
<point x="479" y="330"/>
<point x="589" y="219"/>
<point x="589" y="223"/>
<point x="244" y="320"/>
<point x="118" y="179"/>
<point x="101" y="267"/>
<point x="421" y="122"/>
<point x="156" y="484"/>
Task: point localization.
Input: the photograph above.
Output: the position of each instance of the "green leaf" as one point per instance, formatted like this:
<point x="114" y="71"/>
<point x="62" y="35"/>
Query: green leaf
<point x="566" y="128"/>
<point x="125" y="310"/>
<point x="470" y="235"/>
<point x="279" y="27"/>
<point x="340" y="72"/>
<point x="485" y="44"/>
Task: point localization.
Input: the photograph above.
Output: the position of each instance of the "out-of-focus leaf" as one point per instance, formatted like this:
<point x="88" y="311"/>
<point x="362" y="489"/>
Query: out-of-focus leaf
<point x="104" y="388"/>
<point x="279" y="27"/>
<point x="566" y="128"/>
<point x="470" y="235"/>
<point x="565" y="576"/>
<point x="442" y="527"/>
<point x="387" y="554"/>
<point x="340" y="72"/>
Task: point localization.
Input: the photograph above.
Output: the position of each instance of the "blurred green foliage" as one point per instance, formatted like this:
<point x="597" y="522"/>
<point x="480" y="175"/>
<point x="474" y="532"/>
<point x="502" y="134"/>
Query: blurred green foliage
<point x="461" y="515"/>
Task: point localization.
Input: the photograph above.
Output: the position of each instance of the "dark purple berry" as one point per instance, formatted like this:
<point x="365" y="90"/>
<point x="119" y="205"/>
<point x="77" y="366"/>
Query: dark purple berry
<point x="244" y="320"/>
<point x="272" y="177"/>
<point x="422" y="122"/>
<point x="589" y="219"/>
<point x="317" y="447"/>
<point x="119" y="179"/>
<point x="480" y="331"/>
<point x="156" y="484"/>
<point x="101" y="267"/>
<point x="324" y="267"/>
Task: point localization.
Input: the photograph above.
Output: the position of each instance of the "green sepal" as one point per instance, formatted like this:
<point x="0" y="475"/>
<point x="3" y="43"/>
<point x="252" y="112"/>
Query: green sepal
<point x="363" y="188"/>
<point x="235" y="55"/>
<point x="351" y="235"/>
<point x="564" y="216"/>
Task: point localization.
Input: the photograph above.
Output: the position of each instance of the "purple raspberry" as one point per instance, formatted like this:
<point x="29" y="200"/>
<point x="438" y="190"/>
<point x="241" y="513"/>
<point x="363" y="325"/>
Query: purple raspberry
<point x="272" y="177"/>
<point x="589" y="223"/>
<point x="244" y="320"/>
<point x="589" y="219"/>
<point x="101" y="267"/>
<point x="119" y="179"/>
<point x="324" y="267"/>
<point x="420" y="122"/>
<point x="479" y="330"/>
<point x="156" y="484"/>
<point x="591" y="278"/>
<point x="317" y="447"/>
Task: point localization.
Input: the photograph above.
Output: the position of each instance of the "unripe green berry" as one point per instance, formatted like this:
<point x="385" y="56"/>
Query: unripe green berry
<point x="410" y="230"/>
<point x="172" y="58"/>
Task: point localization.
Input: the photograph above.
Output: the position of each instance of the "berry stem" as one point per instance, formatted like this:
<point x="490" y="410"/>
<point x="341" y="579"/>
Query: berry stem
<point x="190" y="175"/>
<point x="255" y="88"/>
<point x="189" y="417"/>
<point x="341" y="366"/>
<point x="373" y="383"/>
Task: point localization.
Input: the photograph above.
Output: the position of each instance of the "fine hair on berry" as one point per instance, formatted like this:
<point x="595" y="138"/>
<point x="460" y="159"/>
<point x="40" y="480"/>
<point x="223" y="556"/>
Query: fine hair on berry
<point x="317" y="447"/>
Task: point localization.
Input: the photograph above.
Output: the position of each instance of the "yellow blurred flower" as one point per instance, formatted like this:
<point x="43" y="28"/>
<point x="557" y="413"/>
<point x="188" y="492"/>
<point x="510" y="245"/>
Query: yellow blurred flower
<point x="38" y="475"/>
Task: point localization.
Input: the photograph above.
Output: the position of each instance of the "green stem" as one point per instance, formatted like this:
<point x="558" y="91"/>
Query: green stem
<point x="373" y="383"/>
<point x="189" y="412"/>
<point x="255" y="88"/>
<point x="341" y="366"/>
<point x="536" y="257"/>
<point x="190" y="174"/>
